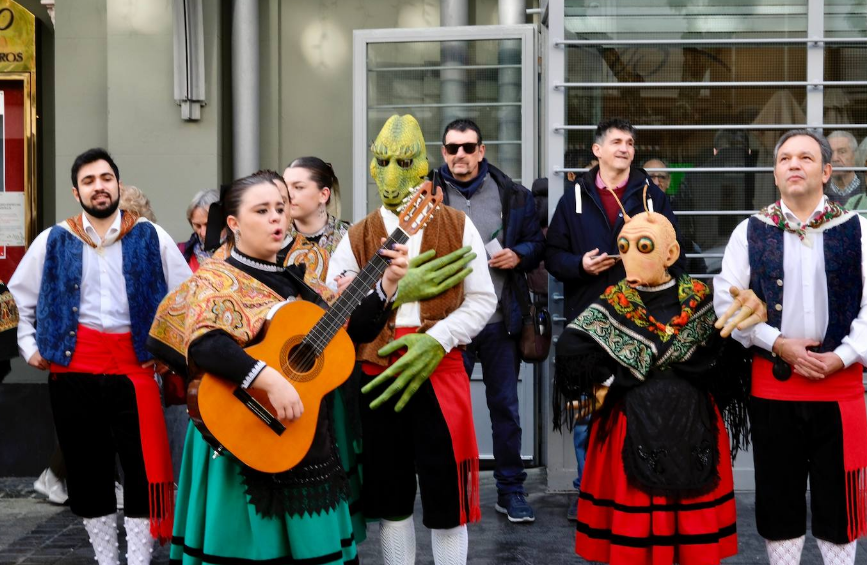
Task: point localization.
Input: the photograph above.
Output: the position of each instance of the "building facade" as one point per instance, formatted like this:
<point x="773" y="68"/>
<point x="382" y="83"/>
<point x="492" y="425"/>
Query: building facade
<point x="187" y="95"/>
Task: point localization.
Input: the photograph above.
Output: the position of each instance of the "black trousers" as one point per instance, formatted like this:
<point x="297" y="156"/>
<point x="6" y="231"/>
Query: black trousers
<point x="794" y="441"/>
<point x="96" y="419"/>
<point x="397" y="446"/>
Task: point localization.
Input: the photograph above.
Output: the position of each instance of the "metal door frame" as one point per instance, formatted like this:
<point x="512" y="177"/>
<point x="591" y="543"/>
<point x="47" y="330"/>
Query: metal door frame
<point x="558" y="449"/>
<point x="361" y="138"/>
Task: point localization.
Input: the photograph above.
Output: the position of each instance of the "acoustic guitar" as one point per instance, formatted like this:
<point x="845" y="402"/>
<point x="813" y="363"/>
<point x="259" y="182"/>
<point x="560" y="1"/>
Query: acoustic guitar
<point x="310" y="348"/>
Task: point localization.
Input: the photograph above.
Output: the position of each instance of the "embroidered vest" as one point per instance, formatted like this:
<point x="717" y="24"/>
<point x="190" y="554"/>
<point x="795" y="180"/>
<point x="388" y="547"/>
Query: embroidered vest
<point x="60" y="293"/>
<point x="842" y="248"/>
<point x="444" y="233"/>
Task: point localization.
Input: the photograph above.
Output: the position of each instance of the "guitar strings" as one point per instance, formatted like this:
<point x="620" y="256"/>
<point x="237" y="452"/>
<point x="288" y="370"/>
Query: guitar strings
<point x="316" y="339"/>
<point x="333" y="320"/>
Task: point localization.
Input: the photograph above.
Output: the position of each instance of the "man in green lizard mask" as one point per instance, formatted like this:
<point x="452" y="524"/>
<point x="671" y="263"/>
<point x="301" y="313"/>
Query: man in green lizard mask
<point x="428" y="429"/>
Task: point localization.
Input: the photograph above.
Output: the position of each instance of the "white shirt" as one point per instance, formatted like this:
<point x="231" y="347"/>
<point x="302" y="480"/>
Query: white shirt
<point x="805" y="294"/>
<point x="462" y="325"/>
<point x="104" y="306"/>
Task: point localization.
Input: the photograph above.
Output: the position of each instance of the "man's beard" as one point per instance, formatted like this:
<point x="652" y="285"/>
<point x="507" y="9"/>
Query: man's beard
<point x="101" y="213"/>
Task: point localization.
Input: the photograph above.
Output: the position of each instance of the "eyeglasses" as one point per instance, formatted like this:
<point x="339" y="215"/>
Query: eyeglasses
<point x="469" y="148"/>
<point x="658" y="176"/>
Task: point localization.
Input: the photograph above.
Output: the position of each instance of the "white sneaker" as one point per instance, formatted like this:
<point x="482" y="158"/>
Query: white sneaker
<point x="50" y="486"/>
<point x="118" y="494"/>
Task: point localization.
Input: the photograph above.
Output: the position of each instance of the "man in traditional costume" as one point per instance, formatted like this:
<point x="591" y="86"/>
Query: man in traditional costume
<point x="805" y="257"/>
<point x="428" y="430"/>
<point x="657" y="485"/>
<point x="87" y="290"/>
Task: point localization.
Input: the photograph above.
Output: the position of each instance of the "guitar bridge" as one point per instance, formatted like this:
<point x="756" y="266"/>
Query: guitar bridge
<point x="260" y="411"/>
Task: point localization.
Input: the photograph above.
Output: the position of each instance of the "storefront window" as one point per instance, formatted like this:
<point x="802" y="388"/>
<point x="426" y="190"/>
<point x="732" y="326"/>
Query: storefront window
<point x="636" y="58"/>
<point x="438" y="82"/>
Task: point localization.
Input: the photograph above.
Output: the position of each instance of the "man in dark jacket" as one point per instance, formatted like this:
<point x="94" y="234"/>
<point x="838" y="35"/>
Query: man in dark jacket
<point x="505" y="215"/>
<point x="582" y="236"/>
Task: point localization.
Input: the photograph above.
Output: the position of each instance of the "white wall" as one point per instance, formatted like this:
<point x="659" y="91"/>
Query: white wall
<point x="115" y="90"/>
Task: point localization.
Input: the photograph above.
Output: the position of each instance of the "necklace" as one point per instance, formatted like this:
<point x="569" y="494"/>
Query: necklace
<point x="627" y="302"/>
<point x="255" y="263"/>
<point x="316" y="233"/>
<point x="667" y="284"/>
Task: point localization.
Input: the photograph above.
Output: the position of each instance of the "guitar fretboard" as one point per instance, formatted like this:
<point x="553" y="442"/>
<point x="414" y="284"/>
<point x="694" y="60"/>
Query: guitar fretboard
<point x="324" y="330"/>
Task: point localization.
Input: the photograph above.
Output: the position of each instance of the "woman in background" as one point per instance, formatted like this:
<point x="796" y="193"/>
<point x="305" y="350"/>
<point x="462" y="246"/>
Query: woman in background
<point x="197" y="215"/>
<point x="313" y="233"/>
<point x="134" y="200"/>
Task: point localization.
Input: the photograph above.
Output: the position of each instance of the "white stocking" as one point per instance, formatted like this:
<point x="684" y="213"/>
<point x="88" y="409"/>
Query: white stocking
<point x="397" y="540"/>
<point x="785" y="552"/>
<point x="449" y="546"/>
<point x="102" y="532"/>
<point x="833" y="554"/>
<point x="139" y="543"/>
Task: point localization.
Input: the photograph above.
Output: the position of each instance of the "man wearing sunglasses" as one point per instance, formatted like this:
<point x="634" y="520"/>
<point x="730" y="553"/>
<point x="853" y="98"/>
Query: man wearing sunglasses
<point x="505" y="215"/>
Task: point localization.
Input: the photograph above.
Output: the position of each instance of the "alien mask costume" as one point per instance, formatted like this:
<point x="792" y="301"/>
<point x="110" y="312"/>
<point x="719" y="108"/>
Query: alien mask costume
<point x="422" y="424"/>
<point x="657" y="484"/>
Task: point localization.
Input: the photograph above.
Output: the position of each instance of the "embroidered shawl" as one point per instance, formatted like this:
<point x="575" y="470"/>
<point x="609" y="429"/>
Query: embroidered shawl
<point x="217" y="297"/>
<point x="621" y="325"/>
<point x="832" y="214"/>
<point x="8" y="310"/>
<point x="314" y="251"/>
<point x="75" y="225"/>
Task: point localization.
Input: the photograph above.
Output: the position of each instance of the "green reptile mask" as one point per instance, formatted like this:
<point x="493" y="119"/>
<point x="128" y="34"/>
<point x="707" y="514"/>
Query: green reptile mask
<point x="399" y="160"/>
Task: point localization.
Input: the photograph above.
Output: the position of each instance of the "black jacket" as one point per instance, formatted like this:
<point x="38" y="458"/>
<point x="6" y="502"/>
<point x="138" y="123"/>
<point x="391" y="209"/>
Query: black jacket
<point x="521" y="234"/>
<point x="571" y="235"/>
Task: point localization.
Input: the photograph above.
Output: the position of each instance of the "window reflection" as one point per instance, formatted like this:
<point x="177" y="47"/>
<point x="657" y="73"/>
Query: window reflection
<point x="713" y="203"/>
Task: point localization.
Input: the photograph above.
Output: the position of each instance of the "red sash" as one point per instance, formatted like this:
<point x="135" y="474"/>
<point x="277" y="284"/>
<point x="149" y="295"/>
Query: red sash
<point x="452" y="389"/>
<point x="846" y="388"/>
<point x="113" y="354"/>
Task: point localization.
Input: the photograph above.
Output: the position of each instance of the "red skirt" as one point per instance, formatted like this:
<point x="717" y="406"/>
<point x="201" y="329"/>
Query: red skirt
<point x="620" y="524"/>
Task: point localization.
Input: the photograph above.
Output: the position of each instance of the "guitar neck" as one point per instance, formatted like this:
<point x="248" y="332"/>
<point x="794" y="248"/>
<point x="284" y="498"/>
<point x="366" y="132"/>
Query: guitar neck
<point x="324" y="330"/>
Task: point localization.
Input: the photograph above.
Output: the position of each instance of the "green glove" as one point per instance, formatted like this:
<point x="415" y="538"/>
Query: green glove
<point x="426" y="279"/>
<point x="423" y="355"/>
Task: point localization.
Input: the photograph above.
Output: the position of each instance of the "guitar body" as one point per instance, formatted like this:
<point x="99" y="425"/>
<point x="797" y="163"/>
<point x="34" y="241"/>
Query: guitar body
<point x="310" y="348"/>
<point x="240" y="426"/>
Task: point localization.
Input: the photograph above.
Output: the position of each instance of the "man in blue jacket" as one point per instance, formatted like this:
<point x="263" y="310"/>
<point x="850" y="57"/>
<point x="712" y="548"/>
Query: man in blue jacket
<point x="582" y="235"/>
<point x="505" y="215"/>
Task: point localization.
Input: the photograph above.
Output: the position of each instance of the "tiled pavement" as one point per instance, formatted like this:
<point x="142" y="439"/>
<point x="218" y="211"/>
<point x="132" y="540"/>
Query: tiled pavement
<point x="33" y="532"/>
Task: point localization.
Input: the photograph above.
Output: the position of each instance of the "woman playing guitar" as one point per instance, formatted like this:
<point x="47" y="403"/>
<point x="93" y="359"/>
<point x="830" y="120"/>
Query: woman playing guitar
<point x="225" y="510"/>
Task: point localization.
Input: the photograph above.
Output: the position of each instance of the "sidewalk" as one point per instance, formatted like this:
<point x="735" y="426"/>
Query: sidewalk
<point x="34" y="532"/>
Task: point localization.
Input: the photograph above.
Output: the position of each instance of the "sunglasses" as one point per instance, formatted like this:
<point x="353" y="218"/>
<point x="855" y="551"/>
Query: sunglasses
<point x="469" y="148"/>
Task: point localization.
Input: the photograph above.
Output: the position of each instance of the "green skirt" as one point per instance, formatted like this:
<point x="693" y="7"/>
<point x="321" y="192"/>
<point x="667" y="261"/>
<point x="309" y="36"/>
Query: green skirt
<point x="349" y="449"/>
<point x="214" y="523"/>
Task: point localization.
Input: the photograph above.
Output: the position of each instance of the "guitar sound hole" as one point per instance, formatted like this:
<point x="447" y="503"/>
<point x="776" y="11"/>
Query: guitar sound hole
<point x="302" y="358"/>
